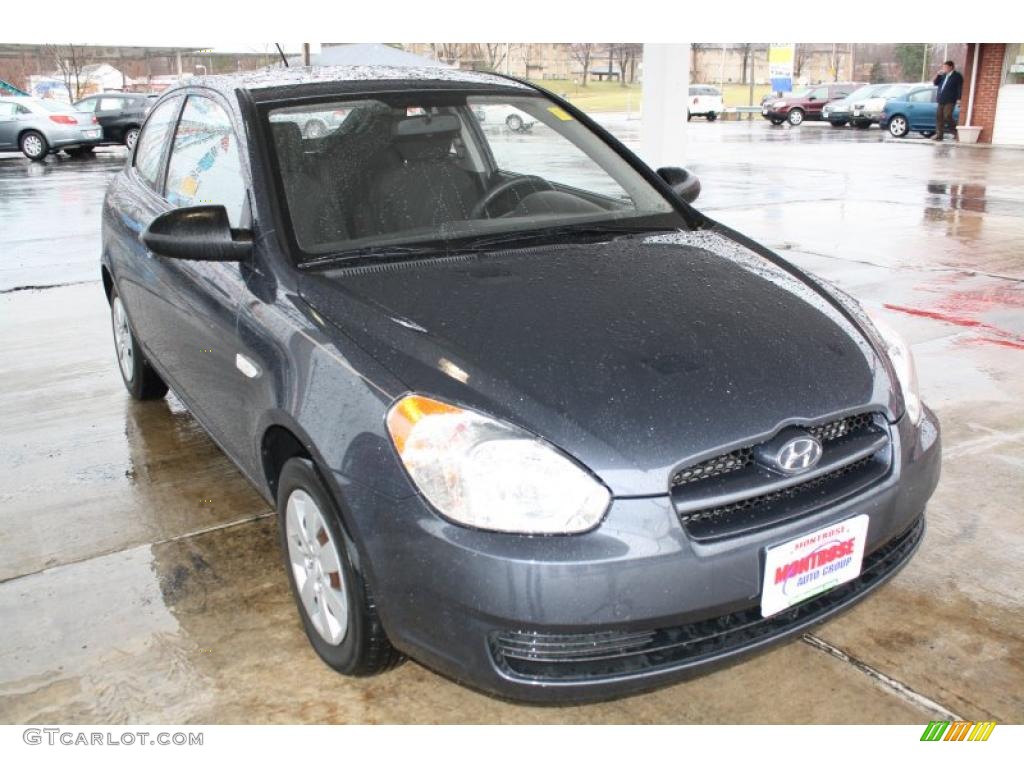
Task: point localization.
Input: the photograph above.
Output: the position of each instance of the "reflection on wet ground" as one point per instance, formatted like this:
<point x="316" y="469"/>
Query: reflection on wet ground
<point x="139" y="579"/>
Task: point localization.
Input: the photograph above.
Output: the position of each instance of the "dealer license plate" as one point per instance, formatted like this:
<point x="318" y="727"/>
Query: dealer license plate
<point x="812" y="564"/>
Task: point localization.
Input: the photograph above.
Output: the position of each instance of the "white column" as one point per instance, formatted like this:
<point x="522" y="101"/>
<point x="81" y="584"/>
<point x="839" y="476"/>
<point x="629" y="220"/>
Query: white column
<point x="666" y="89"/>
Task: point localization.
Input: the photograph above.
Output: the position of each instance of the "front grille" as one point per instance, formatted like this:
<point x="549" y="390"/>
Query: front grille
<point x="732" y="493"/>
<point x="608" y="655"/>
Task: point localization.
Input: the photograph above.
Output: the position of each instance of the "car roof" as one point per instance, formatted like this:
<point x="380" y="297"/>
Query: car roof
<point x="270" y="84"/>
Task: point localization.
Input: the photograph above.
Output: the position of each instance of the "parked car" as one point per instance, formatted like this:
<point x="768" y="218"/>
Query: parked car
<point x="806" y="104"/>
<point x="705" y="101"/>
<point x="38" y="127"/>
<point x="514" y="119"/>
<point x="915" y="111"/>
<point x="840" y="111"/>
<point x="450" y="368"/>
<point x="119" y="114"/>
<point x="867" y="112"/>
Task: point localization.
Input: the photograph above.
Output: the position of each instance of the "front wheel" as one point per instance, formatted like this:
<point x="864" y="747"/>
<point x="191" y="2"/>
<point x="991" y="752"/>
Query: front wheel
<point x="514" y="122"/>
<point x="837" y="123"/>
<point x="777" y="121"/>
<point x="862" y="124"/>
<point x="337" y="610"/>
<point x="130" y="137"/>
<point x="898" y="126"/>
<point x="141" y="381"/>
<point x="796" y="117"/>
<point x="34" y="145"/>
<point x="712" y="116"/>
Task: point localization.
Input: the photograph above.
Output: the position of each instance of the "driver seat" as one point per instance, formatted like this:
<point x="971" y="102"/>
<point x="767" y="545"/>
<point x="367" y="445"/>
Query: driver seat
<point x="428" y="188"/>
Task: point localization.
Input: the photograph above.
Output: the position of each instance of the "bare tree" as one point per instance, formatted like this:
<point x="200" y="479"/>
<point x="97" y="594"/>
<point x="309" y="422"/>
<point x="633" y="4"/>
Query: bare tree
<point x="493" y="55"/>
<point x="583" y="53"/>
<point x="70" y="63"/>
<point x="625" y="55"/>
<point x="746" y="49"/>
<point x="449" y="53"/>
<point x="801" y="53"/>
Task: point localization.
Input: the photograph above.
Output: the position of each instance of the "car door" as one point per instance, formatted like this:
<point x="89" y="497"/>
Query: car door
<point x="110" y="114"/>
<point x="921" y="109"/>
<point x="197" y="333"/>
<point x="8" y="125"/>
<point x="815" y="101"/>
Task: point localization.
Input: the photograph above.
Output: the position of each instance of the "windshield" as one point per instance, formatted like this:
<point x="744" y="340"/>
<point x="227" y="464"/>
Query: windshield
<point x="862" y="93"/>
<point x="895" y="90"/>
<point x="424" y="170"/>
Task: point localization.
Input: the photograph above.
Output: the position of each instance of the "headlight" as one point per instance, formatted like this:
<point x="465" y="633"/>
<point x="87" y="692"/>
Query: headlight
<point x="485" y="473"/>
<point x="903" y="363"/>
<point x="779" y="104"/>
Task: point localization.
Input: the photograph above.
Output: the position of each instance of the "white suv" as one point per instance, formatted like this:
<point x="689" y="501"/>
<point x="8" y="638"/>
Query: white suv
<point x="705" y="101"/>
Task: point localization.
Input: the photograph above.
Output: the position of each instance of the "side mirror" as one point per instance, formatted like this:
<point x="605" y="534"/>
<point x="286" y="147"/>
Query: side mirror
<point x="683" y="183"/>
<point x="200" y="233"/>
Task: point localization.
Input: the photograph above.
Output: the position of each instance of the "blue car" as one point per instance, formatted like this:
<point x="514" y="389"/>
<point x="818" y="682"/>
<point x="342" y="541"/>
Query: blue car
<point x="913" y="111"/>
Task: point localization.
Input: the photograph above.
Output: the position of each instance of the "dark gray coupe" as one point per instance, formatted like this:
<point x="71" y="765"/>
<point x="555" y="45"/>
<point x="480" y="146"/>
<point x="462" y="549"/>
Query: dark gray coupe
<point x="527" y="416"/>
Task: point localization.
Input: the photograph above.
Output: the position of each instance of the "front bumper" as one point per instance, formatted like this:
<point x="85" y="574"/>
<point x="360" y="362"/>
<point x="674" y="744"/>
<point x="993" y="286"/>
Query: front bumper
<point x="773" y="114"/>
<point x="510" y="614"/>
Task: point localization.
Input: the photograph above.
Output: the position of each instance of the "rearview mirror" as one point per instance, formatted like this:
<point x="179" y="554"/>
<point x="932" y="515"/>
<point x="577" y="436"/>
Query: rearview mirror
<point x="200" y="233"/>
<point x="683" y="183"/>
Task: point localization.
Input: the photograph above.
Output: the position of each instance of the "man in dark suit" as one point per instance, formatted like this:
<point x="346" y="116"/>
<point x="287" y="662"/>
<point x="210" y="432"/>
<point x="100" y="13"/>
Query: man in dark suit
<point x="950" y="83"/>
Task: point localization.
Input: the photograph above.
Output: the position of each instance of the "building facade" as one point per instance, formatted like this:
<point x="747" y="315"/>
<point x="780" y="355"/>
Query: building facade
<point x="993" y="95"/>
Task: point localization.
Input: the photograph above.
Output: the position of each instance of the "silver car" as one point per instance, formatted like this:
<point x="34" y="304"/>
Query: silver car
<point x="38" y="127"/>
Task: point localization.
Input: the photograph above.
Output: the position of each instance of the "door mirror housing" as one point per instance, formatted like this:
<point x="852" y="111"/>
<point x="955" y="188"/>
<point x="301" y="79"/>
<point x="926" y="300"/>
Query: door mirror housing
<point x="683" y="183"/>
<point x="198" y="233"/>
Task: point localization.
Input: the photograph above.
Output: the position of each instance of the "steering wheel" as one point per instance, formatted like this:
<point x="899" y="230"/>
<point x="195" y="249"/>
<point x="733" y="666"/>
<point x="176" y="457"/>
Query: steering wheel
<point x="502" y="187"/>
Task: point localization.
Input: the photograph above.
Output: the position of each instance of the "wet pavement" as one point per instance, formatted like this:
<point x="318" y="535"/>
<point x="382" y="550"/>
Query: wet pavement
<point x="139" y="576"/>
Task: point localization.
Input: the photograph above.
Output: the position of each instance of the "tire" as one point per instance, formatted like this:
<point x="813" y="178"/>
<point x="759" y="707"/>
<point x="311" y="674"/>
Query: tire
<point x="712" y="116"/>
<point x="33" y="145"/>
<point x="899" y="126"/>
<point x="795" y="117"/>
<point x="777" y="121"/>
<point x="358" y="647"/>
<point x="131" y="136"/>
<point x="314" y="129"/>
<point x="514" y="122"/>
<point x="862" y="124"/>
<point x="837" y="123"/>
<point x="927" y="134"/>
<point x="141" y="381"/>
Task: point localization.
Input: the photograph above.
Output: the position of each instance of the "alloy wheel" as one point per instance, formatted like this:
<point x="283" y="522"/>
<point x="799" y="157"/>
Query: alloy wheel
<point x="796" y="117"/>
<point x="131" y="137"/>
<point x="32" y="145"/>
<point x="316" y="567"/>
<point x="123" y="340"/>
<point x="898" y="126"/>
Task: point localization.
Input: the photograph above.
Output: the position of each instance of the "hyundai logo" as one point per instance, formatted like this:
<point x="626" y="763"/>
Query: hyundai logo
<point x="798" y="455"/>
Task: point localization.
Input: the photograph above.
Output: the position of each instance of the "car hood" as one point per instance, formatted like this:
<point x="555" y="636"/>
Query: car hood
<point x="635" y="356"/>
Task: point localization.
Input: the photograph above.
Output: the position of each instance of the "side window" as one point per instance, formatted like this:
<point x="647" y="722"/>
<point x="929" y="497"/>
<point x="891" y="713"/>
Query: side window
<point x="6" y="109"/>
<point x="110" y="104"/>
<point x="89" y="105"/>
<point x="819" y="94"/>
<point x="149" y="150"/>
<point x="205" y="168"/>
<point x="920" y="97"/>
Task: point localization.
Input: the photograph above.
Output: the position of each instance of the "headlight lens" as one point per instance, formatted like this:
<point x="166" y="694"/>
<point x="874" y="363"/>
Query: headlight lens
<point x="903" y="362"/>
<point x="779" y="104"/>
<point x="485" y="473"/>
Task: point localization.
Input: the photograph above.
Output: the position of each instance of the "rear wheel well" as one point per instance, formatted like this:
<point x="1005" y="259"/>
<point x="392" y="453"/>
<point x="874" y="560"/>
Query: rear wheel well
<point x="278" y="446"/>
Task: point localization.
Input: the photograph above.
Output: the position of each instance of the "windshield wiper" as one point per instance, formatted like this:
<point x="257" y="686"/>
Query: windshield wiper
<point x="558" y="233"/>
<point x="374" y="253"/>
